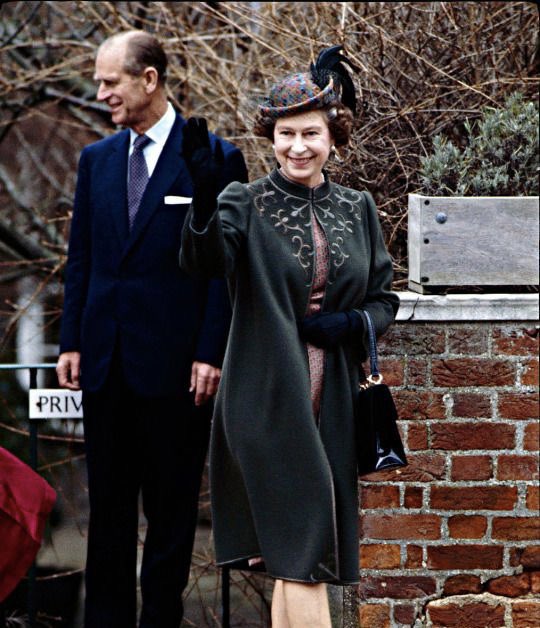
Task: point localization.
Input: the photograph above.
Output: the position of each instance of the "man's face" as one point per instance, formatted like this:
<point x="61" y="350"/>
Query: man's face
<point x="126" y="95"/>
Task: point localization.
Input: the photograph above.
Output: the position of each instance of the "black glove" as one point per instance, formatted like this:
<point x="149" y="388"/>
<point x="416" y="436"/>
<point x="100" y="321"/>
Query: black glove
<point x="327" y="329"/>
<point x="205" y="168"/>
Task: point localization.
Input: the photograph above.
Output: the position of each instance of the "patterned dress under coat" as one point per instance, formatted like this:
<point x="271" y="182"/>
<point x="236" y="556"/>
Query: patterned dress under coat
<point x="316" y="354"/>
<point x="284" y="481"/>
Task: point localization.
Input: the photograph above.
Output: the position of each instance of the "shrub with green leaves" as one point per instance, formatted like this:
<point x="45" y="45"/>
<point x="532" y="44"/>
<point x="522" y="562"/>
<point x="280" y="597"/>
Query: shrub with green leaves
<point x="500" y="159"/>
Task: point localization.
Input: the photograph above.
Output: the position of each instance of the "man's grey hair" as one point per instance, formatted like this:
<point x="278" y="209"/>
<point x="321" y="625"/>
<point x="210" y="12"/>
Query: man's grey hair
<point x="143" y="50"/>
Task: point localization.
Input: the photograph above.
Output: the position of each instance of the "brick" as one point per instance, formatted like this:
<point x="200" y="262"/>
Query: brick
<point x="471" y="468"/>
<point x="471" y="405"/>
<point x="462" y="584"/>
<point x="414" y="496"/>
<point x="477" y="498"/>
<point x="397" y="587"/>
<point x="400" y="526"/>
<point x="517" y="467"/>
<point x="515" y="341"/>
<point x="531" y="439"/>
<point x="393" y="370"/>
<point x="417" y="372"/>
<point x="380" y="556"/>
<point x="414" y="557"/>
<point x="472" y="435"/>
<point x="526" y="614"/>
<point x="535" y="582"/>
<point x="414" y="405"/>
<point x="404" y="614"/>
<point x="530" y="375"/>
<point x="510" y="586"/>
<point x="533" y="498"/>
<point x="473" y="372"/>
<point x="413" y="340"/>
<point x="380" y="496"/>
<point x="465" y="557"/>
<point x="465" y="340"/>
<point x="530" y="558"/>
<point x="374" y="616"/>
<point x="460" y="615"/>
<point x="514" y="556"/>
<point x="417" y="436"/>
<point x="467" y="527"/>
<point x="520" y="405"/>
<point x="421" y="468"/>
<point x="516" y="528"/>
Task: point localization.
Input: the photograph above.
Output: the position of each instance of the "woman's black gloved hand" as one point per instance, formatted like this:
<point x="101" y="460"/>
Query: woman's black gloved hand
<point x="205" y="167"/>
<point x="327" y="330"/>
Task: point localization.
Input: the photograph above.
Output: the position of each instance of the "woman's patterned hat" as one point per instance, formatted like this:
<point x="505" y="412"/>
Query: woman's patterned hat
<point x="327" y="81"/>
<point x="297" y="93"/>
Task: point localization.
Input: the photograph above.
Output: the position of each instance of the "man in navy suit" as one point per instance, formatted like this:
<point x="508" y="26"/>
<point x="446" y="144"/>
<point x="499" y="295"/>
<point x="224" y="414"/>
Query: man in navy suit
<point x="143" y="341"/>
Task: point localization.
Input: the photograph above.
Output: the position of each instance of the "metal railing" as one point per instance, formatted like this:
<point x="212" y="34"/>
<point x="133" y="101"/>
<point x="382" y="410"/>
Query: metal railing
<point x="34" y="423"/>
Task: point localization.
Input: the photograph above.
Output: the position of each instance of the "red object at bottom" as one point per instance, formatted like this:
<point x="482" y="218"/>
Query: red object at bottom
<point x="26" y="500"/>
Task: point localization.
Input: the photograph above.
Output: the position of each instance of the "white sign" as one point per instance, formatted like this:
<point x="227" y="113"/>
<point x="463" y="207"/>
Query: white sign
<point x="54" y="403"/>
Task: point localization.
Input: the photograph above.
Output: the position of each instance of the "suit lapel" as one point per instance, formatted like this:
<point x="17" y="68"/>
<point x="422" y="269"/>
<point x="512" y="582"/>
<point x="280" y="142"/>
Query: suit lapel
<point x="115" y="182"/>
<point x="170" y="168"/>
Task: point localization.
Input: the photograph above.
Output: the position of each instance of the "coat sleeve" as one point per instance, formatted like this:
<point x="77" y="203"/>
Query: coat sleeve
<point x="78" y="262"/>
<point x="212" y="338"/>
<point x="213" y="252"/>
<point x="380" y="301"/>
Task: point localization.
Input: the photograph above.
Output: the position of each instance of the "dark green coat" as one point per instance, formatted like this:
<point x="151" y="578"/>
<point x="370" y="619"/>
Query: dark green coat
<point x="282" y="487"/>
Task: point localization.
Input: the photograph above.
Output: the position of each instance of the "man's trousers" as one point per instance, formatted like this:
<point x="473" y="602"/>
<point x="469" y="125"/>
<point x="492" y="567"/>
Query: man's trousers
<point x="149" y="447"/>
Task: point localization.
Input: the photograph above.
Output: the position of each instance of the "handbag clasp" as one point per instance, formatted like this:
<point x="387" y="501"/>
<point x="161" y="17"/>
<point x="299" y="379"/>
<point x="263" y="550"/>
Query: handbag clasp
<point x="371" y="380"/>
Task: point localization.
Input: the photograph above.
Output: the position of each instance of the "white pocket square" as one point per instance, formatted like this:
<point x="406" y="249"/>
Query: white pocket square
<point x="176" y="200"/>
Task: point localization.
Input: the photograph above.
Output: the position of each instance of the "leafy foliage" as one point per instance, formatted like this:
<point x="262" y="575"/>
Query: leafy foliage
<point x="500" y="158"/>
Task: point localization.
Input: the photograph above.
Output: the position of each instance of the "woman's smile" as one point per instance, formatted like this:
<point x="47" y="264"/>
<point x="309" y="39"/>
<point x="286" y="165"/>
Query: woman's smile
<point x="299" y="161"/>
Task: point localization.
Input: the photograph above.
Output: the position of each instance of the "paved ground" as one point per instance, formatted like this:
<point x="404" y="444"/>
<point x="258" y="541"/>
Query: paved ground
<point x="250" y="595"/>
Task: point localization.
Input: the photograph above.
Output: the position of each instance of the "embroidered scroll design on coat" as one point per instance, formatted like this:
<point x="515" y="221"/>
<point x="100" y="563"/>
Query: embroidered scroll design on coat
<point x="290" y="216"/>
<point x="338" y="214"/>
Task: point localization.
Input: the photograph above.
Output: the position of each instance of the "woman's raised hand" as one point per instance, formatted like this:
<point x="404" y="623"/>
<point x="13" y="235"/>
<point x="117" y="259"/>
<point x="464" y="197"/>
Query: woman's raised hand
<point x="205" y="166"/>
<point x="203" y="163"/>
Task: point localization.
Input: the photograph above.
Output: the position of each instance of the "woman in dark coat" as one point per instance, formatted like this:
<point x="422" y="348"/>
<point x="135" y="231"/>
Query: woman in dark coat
<point x="303" y="257"/>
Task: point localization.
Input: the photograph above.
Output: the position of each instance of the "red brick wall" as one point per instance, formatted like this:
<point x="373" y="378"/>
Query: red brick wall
<point x="453" y="539"/>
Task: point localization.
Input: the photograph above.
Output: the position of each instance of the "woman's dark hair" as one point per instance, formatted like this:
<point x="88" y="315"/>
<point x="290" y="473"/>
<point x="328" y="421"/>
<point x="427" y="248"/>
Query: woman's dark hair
<point x="143" y="51"/>
<point x="339" y="117"/>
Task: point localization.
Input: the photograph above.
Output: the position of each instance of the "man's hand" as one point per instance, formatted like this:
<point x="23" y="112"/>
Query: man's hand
<point x="204" y="381"/>
<point x="68" y="370"/>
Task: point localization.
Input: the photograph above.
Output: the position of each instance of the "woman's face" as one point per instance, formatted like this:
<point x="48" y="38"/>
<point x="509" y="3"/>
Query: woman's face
<point x="302" y="146"/>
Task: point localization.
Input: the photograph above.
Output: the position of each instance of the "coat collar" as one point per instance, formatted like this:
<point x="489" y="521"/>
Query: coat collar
<point x="298" y="190"/>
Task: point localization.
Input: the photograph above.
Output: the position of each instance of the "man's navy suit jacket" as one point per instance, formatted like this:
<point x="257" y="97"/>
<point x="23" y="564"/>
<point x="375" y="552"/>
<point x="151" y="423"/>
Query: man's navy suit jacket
<point x="124" y="289"/>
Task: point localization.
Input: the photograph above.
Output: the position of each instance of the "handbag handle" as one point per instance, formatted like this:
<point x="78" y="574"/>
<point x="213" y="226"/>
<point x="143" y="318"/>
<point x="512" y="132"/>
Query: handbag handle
<point x="375" y="377"/>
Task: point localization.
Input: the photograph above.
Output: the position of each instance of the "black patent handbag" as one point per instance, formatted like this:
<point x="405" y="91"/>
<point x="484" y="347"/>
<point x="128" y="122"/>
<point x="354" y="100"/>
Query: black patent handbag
<point x="378" y="442"/>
